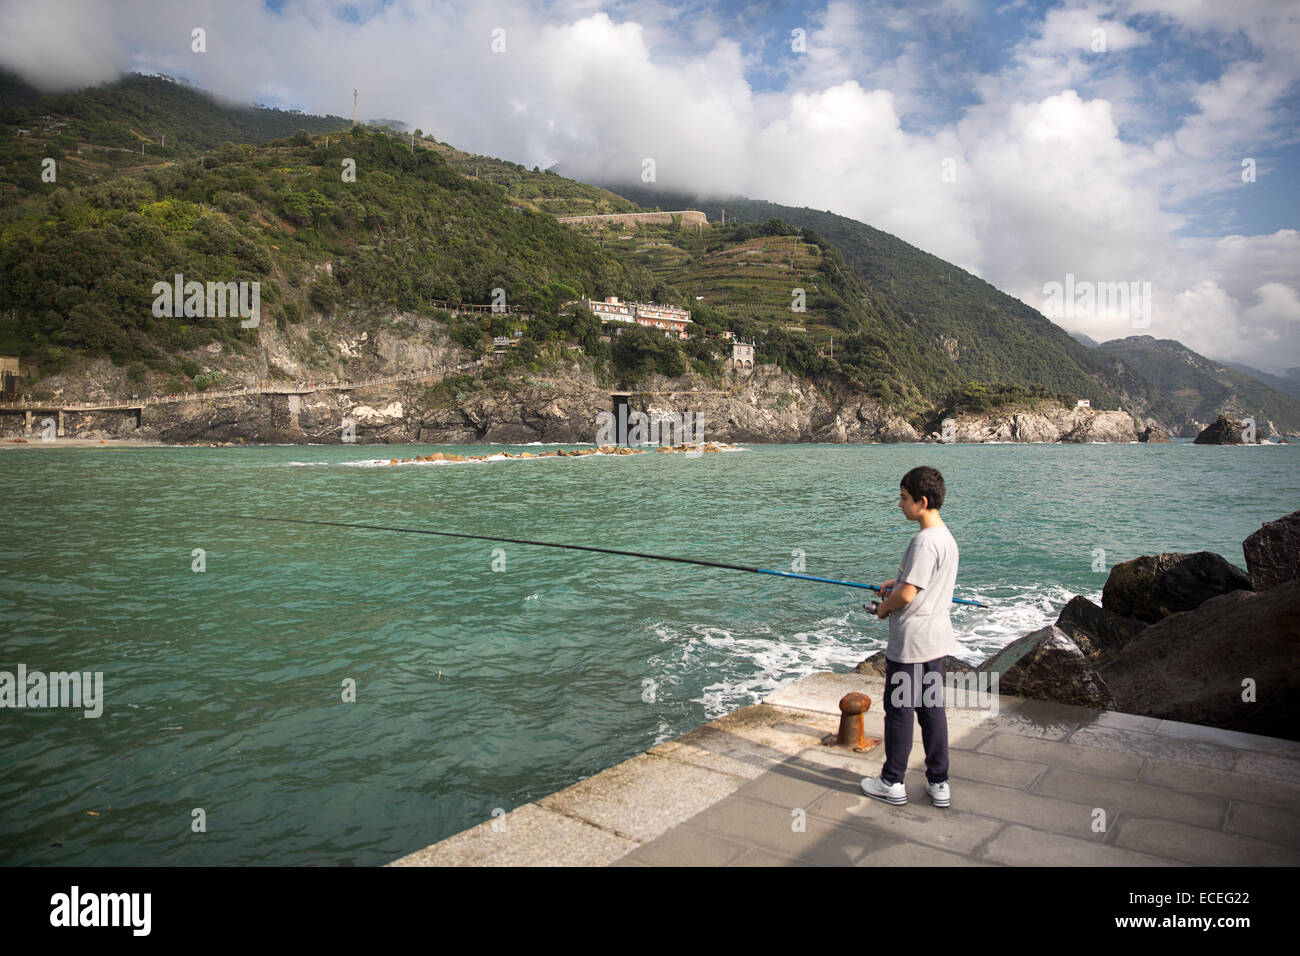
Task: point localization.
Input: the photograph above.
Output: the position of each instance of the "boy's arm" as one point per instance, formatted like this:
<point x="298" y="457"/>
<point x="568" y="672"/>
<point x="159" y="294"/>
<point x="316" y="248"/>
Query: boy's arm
<point x="919" y="564"/>
<point x="900" y="597"/>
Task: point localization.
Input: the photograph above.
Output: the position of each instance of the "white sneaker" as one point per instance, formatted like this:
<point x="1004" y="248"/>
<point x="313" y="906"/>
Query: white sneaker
<point x="891" y="793"/>
<point x="938" y="793"/>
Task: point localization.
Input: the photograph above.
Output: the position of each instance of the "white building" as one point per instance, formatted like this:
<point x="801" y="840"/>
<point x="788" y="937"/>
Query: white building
<point x="742" y="355"/>
<point x="669" y="319"/>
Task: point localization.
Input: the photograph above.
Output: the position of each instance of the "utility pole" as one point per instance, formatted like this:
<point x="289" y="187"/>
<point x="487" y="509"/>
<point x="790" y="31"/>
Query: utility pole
<point x="354" y="107"/>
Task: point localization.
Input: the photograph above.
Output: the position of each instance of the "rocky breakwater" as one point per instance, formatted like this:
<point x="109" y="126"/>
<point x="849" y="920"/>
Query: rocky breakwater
<point x="1046" y="422"/>
<point x="1185" y="637"/>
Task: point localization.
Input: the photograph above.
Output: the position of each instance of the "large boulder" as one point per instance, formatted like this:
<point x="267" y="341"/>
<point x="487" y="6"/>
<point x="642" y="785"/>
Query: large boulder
<point x="1099" y="633"/>
<point x="1224" y="431"/>
<point x="1194" y="666"/>
<point x="1047" y="665"/>
<point x="1154" y="586"/>
<point x="1273" y="552"/>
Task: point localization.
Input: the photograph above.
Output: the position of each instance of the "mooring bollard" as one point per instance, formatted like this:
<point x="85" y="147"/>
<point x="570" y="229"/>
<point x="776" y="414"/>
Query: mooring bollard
<point x="853" y="732"/>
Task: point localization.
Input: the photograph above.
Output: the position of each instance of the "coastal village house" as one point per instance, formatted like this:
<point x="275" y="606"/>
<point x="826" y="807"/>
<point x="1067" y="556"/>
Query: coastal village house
<point x="668" y="319"/>
<point x="742" y="355"/>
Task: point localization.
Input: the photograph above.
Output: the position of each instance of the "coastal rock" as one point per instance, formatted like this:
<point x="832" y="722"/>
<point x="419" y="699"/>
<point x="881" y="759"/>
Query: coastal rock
<point x="1042" y="422"/>
<point x="1225" y="431"/>
<point x="1194" y="666"/>
<point x="1152" y="587"/>
<point x="1048" y="665"/>
<point x="1153" y="434"/>
<point x="1273" y="552"/>
<point x="1099" y="633"/>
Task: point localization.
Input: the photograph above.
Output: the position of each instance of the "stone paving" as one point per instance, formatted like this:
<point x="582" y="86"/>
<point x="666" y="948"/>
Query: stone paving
<point x="1036" y="784"/>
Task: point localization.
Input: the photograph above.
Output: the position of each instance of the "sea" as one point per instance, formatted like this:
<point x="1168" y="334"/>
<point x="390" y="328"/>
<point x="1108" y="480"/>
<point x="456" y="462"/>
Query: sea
<point x="277" y="693"/>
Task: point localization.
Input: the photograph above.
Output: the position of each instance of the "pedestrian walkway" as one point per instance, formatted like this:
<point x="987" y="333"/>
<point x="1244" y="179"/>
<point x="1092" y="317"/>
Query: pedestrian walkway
<point x="1037" y="784"/>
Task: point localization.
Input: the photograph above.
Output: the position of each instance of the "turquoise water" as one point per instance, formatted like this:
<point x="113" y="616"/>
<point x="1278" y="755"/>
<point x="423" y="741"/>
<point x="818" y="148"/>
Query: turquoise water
<point x="479" y="689"/>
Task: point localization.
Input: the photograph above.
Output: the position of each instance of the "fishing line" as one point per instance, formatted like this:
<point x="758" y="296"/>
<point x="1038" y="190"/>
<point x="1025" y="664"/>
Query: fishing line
<point x="585" y="547"/>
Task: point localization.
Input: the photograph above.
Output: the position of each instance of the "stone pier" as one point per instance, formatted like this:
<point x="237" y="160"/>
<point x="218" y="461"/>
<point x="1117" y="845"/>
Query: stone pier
<point x="1034" y="784"/>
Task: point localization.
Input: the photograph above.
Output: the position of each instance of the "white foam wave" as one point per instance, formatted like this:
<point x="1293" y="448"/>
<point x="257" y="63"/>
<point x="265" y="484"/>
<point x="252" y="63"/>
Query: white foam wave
<point x="750" y="665"/>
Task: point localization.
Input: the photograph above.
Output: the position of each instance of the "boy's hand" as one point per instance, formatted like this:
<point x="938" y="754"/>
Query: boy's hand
<point x="887" y="588"/>
<point x="881" y="613"/>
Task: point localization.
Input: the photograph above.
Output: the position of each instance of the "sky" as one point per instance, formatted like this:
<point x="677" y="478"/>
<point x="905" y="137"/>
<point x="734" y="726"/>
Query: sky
<point x="1045" y="147"/>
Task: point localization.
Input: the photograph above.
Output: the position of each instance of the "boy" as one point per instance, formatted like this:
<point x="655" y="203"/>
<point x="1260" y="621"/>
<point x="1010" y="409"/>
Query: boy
<point x="920" y="635"/>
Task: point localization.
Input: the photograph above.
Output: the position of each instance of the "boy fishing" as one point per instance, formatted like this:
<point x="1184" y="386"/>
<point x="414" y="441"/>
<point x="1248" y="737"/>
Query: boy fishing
<point x="920" y="635"/>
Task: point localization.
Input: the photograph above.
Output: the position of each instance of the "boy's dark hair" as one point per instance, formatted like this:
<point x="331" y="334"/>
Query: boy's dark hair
<point x="925" y="482"/>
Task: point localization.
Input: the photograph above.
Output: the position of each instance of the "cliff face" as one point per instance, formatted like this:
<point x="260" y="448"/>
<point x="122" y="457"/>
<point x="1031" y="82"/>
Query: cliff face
<point x="562" y="405"/>
<point x="1042" y="423"/>
<point x="336" y="347"/>
<point x="559" y="404"/>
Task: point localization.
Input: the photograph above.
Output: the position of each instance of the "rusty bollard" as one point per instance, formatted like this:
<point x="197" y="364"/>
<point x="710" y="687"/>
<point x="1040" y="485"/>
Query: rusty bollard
<point x="853" y="734"/>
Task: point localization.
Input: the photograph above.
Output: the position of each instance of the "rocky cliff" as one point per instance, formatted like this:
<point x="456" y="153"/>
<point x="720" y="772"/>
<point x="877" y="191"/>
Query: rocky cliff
<point x="1044" y="422"/>
<point x="505" y="405"/>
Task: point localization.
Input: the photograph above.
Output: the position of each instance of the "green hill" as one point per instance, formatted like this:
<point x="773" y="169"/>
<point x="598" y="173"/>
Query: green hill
<point x="538" y="189"/>
<point x="165" y="117"/>
<point x="423" y="224"/>
<point x="742" y="278"/>
<point x="1182" y="386"/>
<point x="990" y="336"/>
<point x="80" y="256"/>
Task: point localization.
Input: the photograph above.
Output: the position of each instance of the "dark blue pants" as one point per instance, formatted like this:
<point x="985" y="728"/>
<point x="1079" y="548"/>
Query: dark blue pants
<point x="908" y="692"/>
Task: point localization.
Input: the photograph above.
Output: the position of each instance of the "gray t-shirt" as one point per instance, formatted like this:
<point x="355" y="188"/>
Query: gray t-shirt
<point x="922" y="630"/>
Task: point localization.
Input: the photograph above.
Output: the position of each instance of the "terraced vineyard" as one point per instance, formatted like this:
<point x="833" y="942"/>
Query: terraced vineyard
<point x="750" y="280"/>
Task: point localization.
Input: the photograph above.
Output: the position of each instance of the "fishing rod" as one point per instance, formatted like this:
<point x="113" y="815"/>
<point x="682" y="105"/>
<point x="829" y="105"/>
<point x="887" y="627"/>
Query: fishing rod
<point x="585" y="547"/>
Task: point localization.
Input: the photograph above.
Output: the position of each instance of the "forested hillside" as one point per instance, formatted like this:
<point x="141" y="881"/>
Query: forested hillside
<point x="1183" y="387"/>
<point x="991" y="336"/>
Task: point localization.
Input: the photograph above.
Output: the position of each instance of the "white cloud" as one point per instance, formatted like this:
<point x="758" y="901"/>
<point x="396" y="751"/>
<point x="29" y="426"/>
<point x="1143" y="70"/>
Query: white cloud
<point x="1085" y="29"/>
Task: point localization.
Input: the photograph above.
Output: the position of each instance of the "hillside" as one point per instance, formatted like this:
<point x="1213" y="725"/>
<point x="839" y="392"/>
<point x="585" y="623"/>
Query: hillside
<point x="81" y="256"/>
<point x="991" y="336"/>
<point x="1289" y="385"/>
<point x="1186" y="389"/>
<point x="537" y="189"/>
<point x="165" y="117"/>
<point x="420" y="227"/>
<point x="741" y="278"/>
